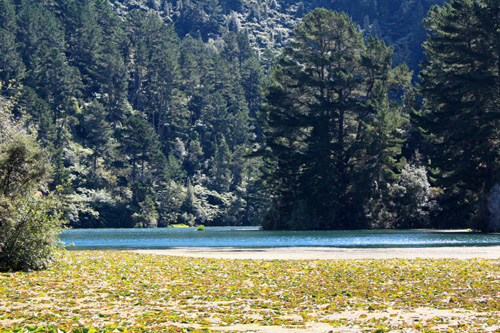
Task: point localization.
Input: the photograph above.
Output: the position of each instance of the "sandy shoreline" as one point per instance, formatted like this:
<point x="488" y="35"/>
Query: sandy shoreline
<point x="489" y="252"/>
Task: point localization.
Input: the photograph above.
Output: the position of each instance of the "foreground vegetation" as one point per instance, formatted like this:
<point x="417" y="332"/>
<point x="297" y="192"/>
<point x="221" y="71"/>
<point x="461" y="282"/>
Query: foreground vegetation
<point x="120" y="292"/>
<point x="30" y="216"/>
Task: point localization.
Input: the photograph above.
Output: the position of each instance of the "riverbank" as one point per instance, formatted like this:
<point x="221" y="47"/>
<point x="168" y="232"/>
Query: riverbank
<point x="314" y="253"/>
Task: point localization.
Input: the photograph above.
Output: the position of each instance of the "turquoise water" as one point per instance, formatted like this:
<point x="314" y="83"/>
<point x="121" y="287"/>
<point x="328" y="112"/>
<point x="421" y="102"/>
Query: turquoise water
<point x="253" y="237"/>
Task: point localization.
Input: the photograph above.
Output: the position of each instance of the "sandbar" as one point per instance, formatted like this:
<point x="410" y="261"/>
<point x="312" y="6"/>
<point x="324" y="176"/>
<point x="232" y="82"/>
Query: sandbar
<point x="318" y="253"/>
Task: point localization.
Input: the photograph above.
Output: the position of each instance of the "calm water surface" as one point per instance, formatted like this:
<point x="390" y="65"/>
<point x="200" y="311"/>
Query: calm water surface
<point x="253" y="237"/>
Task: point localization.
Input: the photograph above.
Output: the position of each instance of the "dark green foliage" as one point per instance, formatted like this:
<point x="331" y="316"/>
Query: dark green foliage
<point x="113" y="83"/>
<point x="198" y="17"/>
<point x="330" y="130"/>
<point x="11" y="65"/>
<point x="130" y="115"/>
<point x="461" y="83"/>
<point x="8" y="16"/>
<point x="140" y="143"/>
<point x="269" y="24"/>
<point x="149" y="116"/>
<point x="97" y="131"/>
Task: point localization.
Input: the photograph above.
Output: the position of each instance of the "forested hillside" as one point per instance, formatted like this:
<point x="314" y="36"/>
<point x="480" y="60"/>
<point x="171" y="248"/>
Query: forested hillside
<point x="269" y="23"/>
<point x="144" y="129"/>
<point x="214" y="112"/>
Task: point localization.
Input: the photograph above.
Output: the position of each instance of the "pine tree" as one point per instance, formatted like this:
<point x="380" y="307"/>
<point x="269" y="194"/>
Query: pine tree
<point x="39" y="31"/>
<point x="11" y="65"/>
<point x="113" y="86"/>
<point x="252" y="79"/>
<point x="220" y="168"/>
<point x="461" y="84"/>
<point x="140" y="143"/>
<point x="8" y="16"/>
<point x="98" y="131"/>
<point x="40" y="114"/>
<point x="328" y="94"/>
<point x="84" y="38"/>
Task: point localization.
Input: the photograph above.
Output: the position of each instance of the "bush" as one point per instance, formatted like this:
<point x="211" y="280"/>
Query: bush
<point x="201" y="227"/>
<point x="28" y="232"/>
<point x="29" y="220"/>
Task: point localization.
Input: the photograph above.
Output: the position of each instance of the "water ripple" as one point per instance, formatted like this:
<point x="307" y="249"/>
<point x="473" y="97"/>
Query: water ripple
<point x="252" y="237"/>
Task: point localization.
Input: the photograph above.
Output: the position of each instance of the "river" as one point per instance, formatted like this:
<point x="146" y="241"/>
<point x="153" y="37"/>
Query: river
<point x="252" y="237"/>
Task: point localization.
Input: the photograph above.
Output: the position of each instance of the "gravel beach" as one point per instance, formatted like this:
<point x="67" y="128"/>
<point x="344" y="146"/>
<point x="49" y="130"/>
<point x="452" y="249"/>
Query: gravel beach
<point x="314" y="253"/>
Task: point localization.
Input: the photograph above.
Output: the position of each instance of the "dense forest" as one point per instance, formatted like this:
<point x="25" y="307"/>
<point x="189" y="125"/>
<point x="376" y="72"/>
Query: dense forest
<point x="267" y="113"/>
<point x="143" y="129"/>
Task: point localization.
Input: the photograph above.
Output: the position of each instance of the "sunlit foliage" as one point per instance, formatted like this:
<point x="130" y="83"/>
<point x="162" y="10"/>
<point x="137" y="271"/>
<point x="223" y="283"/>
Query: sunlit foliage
<point x="29" y="218"/>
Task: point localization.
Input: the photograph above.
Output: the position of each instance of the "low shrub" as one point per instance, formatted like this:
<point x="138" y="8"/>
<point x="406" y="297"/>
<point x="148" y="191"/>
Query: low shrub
<point x="28" y="232"/>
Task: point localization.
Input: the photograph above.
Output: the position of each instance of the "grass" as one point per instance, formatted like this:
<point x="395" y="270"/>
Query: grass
<point x="110" y="291"/>
<point x="180" y="225"/>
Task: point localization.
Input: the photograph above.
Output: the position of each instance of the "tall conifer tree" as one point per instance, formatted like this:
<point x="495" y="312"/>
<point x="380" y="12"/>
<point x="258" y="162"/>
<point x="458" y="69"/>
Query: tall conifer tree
<point x="461" y="86"/>
<point x="328" y="92"/>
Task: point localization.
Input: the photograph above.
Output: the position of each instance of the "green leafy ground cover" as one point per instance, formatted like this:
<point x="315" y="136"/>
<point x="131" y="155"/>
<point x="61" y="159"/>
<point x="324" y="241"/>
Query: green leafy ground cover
<point x="125" y="292"/>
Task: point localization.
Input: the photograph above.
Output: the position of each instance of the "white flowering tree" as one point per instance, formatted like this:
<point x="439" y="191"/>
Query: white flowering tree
<point x="413" y="198"/>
